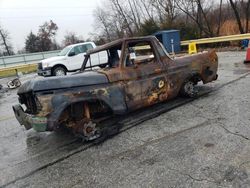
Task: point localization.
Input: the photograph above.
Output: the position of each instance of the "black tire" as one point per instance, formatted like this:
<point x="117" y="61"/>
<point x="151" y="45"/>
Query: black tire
<point x="59" y="71"/>
<point x="188" y="89"/>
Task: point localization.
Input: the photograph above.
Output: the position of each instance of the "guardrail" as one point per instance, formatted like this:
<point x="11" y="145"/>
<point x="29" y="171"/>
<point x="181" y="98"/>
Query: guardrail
<point x="12" y="71"/>
<point x="7" y="61"/>
<point x="217" y="39"/>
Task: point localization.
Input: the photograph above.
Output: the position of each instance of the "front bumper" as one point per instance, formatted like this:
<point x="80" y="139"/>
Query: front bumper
<point x="44" y="72"/>
<point x="30" y="121"/>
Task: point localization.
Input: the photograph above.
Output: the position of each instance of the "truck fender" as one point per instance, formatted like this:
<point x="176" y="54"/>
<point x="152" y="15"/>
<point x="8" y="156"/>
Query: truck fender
<point x="59" y="65"/>
<point x="113" y="97"/>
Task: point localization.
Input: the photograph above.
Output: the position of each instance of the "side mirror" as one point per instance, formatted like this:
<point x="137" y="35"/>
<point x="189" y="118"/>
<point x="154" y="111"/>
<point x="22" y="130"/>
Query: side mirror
<point x="71" y="54"/>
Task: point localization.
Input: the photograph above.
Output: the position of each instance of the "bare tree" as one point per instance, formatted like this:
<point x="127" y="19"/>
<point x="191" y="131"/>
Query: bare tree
<point x="195" y="10"/>
<point x="146" y="6"/>
<point x="134" y="15"/>
<point x="46" y="34"/>
<point x="32" y="43"/>
<point x="237" y="15"/>
<point x="166" y="10"/>
<point x="247" y="9"/>
<point x="195" y="18"/>
<point x="219" y="18"/>
<point x="5" y="41"/>
<point x="204" y="15"/>
<point x="71" y="38"/>
<point x="120" y="11"/>
<point x="102" y="21"/>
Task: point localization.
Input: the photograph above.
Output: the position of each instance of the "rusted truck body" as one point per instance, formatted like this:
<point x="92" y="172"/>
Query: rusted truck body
<point x="138" y="73"/>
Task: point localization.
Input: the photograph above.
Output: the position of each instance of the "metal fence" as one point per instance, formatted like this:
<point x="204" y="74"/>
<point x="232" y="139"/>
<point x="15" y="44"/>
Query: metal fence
<point x="7" y="61"/>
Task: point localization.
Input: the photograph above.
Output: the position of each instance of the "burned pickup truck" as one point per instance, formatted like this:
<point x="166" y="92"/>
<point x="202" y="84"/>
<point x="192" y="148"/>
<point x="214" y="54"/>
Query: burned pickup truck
<point x="137" y="73"/>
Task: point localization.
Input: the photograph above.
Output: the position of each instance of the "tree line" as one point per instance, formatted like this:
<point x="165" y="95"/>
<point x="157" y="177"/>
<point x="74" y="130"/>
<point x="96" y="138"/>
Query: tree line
<point x="43" y="40"/>
<point x="127" y="18"/>
<point x="194" y="18"/>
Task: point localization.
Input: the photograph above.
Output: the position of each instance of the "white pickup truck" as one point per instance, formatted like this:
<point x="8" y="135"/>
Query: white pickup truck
<point x="70" y="59"/>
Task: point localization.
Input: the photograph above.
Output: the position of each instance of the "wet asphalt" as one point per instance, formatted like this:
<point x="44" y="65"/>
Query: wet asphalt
<point x="204" y="143"/>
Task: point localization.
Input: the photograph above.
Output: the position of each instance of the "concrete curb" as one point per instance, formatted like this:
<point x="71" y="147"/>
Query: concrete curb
<point x="11" y="71"/>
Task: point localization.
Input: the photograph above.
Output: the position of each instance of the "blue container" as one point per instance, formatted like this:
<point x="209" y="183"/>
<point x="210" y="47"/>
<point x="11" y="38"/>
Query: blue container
<point x="169" y="38"/>
<point x="244" y="43"/>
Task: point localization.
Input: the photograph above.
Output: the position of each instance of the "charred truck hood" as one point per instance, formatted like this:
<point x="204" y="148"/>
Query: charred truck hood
<point x="53" y="83"/>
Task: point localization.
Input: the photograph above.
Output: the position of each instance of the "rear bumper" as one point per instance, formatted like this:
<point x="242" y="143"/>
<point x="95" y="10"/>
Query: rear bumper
<point x="30" y="121"/>
<point x="44" y="72"/>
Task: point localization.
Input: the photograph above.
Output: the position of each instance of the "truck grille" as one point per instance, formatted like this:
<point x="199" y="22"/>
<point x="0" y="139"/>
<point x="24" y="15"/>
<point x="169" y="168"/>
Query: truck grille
<point x="31" y="103"/>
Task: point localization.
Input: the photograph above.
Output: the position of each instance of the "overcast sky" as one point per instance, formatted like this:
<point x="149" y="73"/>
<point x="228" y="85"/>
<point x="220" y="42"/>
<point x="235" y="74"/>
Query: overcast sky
<point x="19" y="17"/>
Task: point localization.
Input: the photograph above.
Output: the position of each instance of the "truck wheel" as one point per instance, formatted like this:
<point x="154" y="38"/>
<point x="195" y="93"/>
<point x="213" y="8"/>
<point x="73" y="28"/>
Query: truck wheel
<point x="59" y="71"/>
<point x="188" y="89"/>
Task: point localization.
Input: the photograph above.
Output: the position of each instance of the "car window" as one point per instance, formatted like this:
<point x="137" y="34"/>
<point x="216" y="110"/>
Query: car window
<point x="88" y="46"/>
<point x="77" y="50"/>
<point x="72" y="50"/>
<point x="64" y="51"/>
<point x="114" y="57"/>
<point x="107" y="58"/>
<point x="83" y="48"/>
<point x="139" y="53"/>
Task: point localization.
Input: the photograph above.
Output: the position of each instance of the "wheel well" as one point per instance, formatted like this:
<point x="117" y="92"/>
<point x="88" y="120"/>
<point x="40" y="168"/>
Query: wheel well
<point x="59" y="65"/>
<point x="195" y="78"/>
<point x="76" y="111"/>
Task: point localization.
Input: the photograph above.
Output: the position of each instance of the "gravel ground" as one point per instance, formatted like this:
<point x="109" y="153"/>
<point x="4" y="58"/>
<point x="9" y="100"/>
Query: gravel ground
<point x="204" y="143"/>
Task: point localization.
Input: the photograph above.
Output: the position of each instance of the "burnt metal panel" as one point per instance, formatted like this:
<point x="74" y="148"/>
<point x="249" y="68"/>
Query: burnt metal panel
<point x="76" y="80"/>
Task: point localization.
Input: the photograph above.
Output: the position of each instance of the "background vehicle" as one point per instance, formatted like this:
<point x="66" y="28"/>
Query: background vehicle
<point x="138" y="73"/>
<point x="68" y="60"/>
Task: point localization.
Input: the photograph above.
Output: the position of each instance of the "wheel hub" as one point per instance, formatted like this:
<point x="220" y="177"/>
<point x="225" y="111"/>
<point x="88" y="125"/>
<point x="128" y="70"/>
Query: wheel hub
<point x="189" y="88"/>
<point x="90" y="131"/>
<point x="60" y="73"/>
